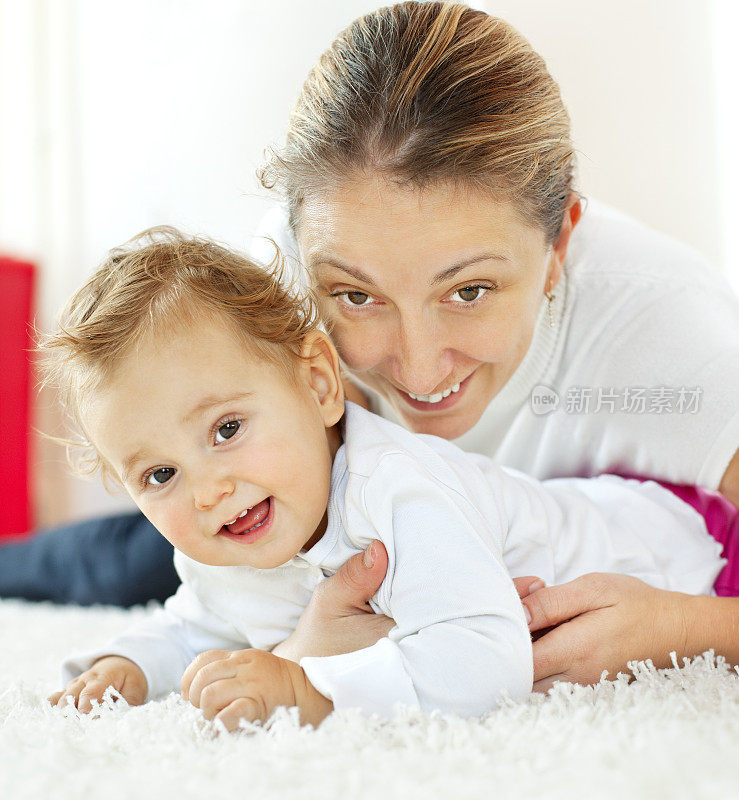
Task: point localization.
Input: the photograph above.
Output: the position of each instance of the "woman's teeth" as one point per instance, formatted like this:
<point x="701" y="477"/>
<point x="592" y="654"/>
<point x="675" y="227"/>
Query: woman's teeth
<point x="434" y="398"/>
<point x="243" y="513"/>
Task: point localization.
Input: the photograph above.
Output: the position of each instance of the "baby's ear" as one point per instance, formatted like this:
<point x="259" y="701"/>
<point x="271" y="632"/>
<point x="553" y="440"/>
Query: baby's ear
<point x="322" y="371"/>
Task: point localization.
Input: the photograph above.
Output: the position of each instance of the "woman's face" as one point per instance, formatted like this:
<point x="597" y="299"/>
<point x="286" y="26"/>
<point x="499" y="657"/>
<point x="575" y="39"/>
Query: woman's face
<point x="432" y="294"/>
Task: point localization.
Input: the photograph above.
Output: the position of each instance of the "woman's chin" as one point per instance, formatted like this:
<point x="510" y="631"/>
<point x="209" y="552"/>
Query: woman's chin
<point x="447" y="425"/>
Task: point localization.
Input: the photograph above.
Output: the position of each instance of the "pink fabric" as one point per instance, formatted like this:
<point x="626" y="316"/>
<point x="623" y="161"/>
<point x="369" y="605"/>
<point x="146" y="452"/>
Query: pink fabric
<point x="722" y="521"/>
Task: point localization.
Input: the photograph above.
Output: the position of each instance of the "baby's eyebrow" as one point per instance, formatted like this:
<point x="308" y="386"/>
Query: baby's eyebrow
<point x="213" y="400"/>
<point x="129" y="462"/>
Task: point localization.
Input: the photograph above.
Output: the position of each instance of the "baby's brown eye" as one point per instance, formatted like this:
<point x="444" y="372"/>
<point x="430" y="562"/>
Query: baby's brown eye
<point x="161" y="475"/>
<point x="227" y="430"/>
<point x="469" y="293"/>
<point x="357" y="298"/>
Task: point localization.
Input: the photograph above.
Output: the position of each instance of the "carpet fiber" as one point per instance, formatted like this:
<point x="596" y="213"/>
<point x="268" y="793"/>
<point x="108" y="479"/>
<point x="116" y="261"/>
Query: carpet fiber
<point x="669" y="734"/>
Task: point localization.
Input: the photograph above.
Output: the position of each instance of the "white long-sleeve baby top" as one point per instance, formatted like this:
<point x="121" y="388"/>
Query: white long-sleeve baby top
<point x="456" y="527"/>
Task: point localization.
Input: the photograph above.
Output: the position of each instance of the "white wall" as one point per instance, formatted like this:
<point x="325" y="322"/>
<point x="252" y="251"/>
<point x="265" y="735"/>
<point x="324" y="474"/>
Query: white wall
<point x="726" y="25"/>
<point x="116" y="116"/>
<point x="638" y="80"/>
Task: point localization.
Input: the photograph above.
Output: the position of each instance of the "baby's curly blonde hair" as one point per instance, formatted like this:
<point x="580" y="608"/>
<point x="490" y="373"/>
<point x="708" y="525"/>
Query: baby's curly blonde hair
<point x="165" y="279"/>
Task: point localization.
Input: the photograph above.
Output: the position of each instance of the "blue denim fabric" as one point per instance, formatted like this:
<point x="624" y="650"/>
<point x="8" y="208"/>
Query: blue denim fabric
<point x="120" y="560"/>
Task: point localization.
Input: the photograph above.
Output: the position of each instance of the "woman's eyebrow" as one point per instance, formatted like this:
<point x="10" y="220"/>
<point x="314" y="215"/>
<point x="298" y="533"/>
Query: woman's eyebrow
<point x="451" y="271"/>
<point x="357" y="274"/>
<point x="441" y="277"/>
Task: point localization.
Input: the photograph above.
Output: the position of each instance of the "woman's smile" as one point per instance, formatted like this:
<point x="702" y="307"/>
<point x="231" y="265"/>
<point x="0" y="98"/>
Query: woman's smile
<point x="439" y="401"/>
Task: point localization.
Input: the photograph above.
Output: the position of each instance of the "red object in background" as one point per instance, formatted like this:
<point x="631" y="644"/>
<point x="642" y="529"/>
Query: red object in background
<point x="16" y="297"/>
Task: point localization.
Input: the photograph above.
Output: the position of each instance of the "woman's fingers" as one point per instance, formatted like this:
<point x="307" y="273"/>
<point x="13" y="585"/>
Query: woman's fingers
<point x="357" y="580"/>
<point x="603" y="622"/>
<point x="338" y="618"/>
<point x="561" y="653"/>
<point x="555" y="655"/>
<point x="553" y="605"/>
<point x="526" y="585"/>
<point x="545" y="684"/>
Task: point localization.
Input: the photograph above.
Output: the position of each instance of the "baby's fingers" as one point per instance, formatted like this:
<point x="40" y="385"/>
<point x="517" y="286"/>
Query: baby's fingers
<point x="242" y="708"/>
<point x="94" y="690"/>
<point x="53" y="699"/>
<point x="72" y="689"/>
<point x="82" y="694"/>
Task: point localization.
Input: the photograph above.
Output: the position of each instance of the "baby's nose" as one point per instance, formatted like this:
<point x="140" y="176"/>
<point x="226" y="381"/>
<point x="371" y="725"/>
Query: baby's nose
<point x="207" y="495"/>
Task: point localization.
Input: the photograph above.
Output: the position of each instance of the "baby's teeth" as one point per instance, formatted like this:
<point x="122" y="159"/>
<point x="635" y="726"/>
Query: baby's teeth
<point x="455" y="388"/>
<point x="243" y="513"/>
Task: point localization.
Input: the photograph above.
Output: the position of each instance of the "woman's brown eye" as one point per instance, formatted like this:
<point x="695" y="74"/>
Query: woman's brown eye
<point x="357" y="298"/>
<point x="469" y="293"/>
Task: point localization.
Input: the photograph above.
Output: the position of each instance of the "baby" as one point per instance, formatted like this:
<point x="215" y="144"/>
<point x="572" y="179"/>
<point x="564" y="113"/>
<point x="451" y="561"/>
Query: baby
<point x="205" y="386"/>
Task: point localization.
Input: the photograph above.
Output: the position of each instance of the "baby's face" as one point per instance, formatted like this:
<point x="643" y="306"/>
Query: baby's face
<point x="227" y="456"/>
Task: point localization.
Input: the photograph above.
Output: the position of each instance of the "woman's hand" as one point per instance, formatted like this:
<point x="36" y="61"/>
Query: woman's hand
<point x="231" y="685"/>
<point x="116" y="671"/>
<point x="603" y="621"/>
<point x="338" y="618"/>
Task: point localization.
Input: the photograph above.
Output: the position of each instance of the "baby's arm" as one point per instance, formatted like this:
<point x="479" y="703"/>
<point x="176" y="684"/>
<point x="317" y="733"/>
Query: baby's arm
<point x="150" y="656"/>
<point x="461" y="639"/>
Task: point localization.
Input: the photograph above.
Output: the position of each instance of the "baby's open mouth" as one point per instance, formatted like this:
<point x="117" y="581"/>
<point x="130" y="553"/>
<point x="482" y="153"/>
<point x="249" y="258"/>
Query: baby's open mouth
<point x="250" y="519"/>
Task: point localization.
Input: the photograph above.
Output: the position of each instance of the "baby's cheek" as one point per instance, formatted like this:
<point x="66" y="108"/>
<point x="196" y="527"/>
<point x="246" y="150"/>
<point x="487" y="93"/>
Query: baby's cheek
<point x="175" y="525"/>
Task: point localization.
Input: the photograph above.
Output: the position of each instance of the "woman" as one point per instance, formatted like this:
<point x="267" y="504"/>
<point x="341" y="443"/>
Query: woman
<point x="428" y="178"/>
<point x="427" y="174"/>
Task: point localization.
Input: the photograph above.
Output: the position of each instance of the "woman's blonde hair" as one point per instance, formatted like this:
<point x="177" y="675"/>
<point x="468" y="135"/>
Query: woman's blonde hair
<point x="159" y="281"/>
<point x="426" y="93"/>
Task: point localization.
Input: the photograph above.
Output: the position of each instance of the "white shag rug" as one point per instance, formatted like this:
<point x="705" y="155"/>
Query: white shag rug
<point x="669" y="734"/>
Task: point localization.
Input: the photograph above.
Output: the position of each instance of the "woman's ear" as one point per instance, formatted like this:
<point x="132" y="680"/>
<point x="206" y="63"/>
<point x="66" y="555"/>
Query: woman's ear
<point x="319" y="365"/>
<point x="572" y="215"/>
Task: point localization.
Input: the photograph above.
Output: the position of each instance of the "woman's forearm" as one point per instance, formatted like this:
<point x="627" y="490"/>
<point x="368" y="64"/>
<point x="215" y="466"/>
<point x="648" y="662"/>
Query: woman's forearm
<point x="712" y="623"/>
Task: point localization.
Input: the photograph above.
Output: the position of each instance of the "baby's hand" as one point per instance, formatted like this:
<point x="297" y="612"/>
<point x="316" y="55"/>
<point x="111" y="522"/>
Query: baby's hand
<point x="250" y="684"/>
<point x="116" y="671"/>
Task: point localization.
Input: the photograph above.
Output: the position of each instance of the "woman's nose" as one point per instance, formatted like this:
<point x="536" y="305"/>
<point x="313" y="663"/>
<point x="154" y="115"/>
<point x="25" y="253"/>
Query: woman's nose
<point x="209" y="492"/>
<point x="422" y="361"/>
